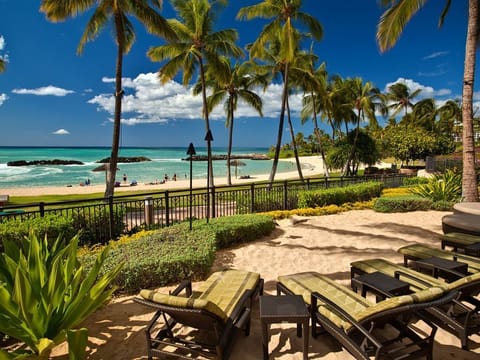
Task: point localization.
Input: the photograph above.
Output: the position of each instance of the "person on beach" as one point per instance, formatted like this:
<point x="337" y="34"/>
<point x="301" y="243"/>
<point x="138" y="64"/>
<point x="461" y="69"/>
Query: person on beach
<point x="124" y="178"/>
<point x="174" y="177"/>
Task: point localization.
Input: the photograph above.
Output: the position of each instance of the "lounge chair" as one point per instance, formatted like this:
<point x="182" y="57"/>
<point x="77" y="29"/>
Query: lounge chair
<point x="360" y="325"/>
<point x="220" y="306"/>
<point x="422" y="251"/>
<point x="461" y="316"/>
<point x="468" y="244"/>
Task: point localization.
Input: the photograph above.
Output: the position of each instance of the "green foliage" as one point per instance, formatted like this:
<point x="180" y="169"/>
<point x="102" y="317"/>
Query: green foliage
<point x="172" y="254"/>
<point x="401" y="204"/>
<point x="415" y="180"/>
<point x="45" y="293"/>
<point x="337" y="196"/>
<point x="320" y="211"/>
<point x="50" y="225"/>
<point x="444" y="187"/>
<point x="95" y="226"/>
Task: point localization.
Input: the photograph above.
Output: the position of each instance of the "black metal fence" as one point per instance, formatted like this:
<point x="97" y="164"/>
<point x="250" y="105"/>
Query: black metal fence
<point x="107" y="218"/>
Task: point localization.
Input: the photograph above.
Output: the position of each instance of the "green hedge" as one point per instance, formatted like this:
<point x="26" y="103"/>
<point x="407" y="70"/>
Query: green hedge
<point x="402" y="204"/>
<point x="175" y="253"/>
<point x="51" y="225"/>
<point x="339" y="195"/>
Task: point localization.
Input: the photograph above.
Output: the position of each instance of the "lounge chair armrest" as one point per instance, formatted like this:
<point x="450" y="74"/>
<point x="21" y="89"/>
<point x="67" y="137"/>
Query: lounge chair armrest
<point x="399" y="273"/>
<point x="314" y="301"/>
<point x="184" y="285"/>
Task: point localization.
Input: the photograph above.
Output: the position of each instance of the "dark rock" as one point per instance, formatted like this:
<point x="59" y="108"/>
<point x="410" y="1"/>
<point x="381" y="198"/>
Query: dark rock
<point x="126" y="159"/>
<point x="44" y="162"/>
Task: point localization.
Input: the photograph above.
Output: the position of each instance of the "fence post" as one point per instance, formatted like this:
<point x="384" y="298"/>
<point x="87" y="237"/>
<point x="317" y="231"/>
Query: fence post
<point x="42" y="209"/>
<point x="252" y="197"/>
<point x="110" y="207"/>
<point x="167" y="209"/>
<point x="213" y="201"/>
<point x="285" y="194"/>
<point x="308" y="184"/>
<point x="148" y="210"/>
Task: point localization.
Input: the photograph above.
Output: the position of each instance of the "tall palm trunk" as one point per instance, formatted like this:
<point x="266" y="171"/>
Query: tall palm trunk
<point x="280" y="130"/>
<point x="230" y="140"/>
<point x="294" y="143"/>
<point x="110" y="186"/>
<point x="469" y="177"/>
<point x="319" y="138"/>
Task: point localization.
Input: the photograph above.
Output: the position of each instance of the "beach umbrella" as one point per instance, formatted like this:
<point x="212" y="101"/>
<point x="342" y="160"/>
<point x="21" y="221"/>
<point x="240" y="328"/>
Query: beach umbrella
<point x="236" y="163"/>
<point x="104" y="167"/>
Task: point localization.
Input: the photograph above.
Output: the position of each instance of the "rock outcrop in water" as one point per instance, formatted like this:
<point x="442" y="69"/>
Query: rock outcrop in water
<point x="126" y="159"/>
<point x="44" y="162"/>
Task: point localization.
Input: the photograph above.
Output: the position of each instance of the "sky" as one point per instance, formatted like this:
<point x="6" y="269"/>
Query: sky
<point x="50" y="96"/>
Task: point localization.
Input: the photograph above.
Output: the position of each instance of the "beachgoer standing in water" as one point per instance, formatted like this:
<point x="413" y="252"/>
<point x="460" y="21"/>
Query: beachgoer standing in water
<point x="125" y="178"/>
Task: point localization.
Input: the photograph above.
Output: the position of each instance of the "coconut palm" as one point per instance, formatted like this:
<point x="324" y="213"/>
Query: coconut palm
<point x="400" y="98"/>
<point x="450" y="117"/>
<point x="197" y="46"/>
<point x="425" y="113"/>
<point x="365" y="100"/>
<point x="284" y="13"/>
<point x="117" y="12"/>
<point x="231" y="84"/>
<point x="390" y="27"/>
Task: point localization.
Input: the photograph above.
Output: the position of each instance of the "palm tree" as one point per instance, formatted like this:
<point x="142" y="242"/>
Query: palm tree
<point x="425" y="113"/>
<point x="390" y="27"/>
<point x="232" y="84"/>
<point x="400" y="98"/>
<point x="450" y="117"/>
<point x="197" y="46"/>
<point x="2" y="65"/>
<point x="117" y="12"/>
<point x="364" y="99"/>
<point x="283" y="14"/>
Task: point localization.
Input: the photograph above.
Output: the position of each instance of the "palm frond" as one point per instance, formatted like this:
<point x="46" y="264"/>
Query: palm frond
<point x="95" y="24"/>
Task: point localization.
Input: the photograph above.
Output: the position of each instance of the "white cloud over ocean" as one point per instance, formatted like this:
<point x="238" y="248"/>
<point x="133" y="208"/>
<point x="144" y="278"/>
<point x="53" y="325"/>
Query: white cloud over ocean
<point x="3" y="98"/>
<point x="146" y="100"/>
<point x="61" y="132"/>
<point x="49" y="90"/>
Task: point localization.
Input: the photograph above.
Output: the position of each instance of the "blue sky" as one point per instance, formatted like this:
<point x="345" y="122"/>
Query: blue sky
<point x="49" y="96"/>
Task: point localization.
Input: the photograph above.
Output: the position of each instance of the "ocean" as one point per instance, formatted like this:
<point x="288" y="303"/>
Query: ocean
<point x="165" y="161"/>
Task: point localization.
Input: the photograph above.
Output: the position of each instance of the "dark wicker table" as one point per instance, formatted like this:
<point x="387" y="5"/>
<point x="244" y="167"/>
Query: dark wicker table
<point x="284" y="308"/>
<point x="473" y="249"/>
<point x="450" y="270"/>
<point x="381" y="285"/>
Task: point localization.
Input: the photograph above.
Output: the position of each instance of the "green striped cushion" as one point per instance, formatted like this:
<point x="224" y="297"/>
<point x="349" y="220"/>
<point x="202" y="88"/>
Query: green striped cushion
<point x="225" y="288"/>
<point x="183" y="302"/>
<point x="389" y="268"/>
<point x="423" y="251"/>
<point x="307" y="282"/>
<point x="460" y="238"/>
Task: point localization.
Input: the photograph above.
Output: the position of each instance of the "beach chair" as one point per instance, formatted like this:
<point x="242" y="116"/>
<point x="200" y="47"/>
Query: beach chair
<point x="468" y="244"/>
<point x="201" y="322"/>
<point x="365" y="329"/>
<point x="461" y="316"/>
<point x="422" y="251"/>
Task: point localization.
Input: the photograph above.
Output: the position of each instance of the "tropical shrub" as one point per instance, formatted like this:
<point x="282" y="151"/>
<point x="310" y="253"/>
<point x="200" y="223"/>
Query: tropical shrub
<point x="401" y="204"/>
<point x="50" y="225"/>
<point x="444" y="187"/>
<point x="338" y="196"/>
<point x="45" y="293"/>
<point x="414" y="180"/>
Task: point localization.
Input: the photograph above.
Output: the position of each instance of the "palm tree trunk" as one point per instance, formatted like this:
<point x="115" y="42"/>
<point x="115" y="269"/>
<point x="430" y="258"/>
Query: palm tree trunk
<point x="230" y="140"/>
<point x="319" y="138"/>
<point x="295" y="150"/>
<point x="111" y="174"/>
<point x="469" y="176"/>
<point x="280" y="130"/>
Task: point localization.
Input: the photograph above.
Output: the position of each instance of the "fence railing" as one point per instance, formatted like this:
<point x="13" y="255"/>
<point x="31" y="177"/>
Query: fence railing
<point x="107" y="218"/>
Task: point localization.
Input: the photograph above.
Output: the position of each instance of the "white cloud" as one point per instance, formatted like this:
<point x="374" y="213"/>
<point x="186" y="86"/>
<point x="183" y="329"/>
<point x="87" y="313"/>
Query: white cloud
<point x="435" y="55"/>
<point x="49" y="90"/>
<point x="61" y="132"/>
<point x="426" y="91"/>
<point x="2" y="43"/>
<point x="146" y="100"/>
<point x="3" y="98"/>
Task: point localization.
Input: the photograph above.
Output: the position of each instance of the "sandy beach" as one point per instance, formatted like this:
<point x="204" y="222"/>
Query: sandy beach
<point x="311" y="165"/>
<point x="327" y="244"/>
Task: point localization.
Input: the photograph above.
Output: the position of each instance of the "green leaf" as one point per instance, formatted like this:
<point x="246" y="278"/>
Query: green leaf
<point x="77" y="343"/>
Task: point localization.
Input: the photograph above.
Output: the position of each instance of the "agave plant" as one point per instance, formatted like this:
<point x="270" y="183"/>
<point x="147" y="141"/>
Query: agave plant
<point x="45" y="293"/>
<point x="444" y="187"/>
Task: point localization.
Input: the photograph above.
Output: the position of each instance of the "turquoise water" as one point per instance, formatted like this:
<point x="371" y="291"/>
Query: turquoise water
<point x="164" y="161"/>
